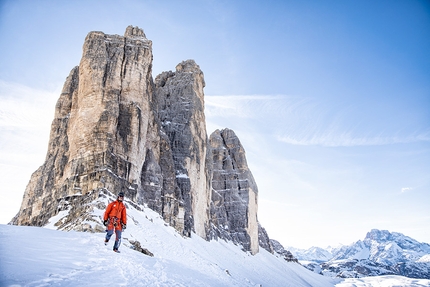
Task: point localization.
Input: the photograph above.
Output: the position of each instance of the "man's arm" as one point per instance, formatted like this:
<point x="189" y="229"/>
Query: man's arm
<point x="108" y="209"/>
<point x="124" y="216"/>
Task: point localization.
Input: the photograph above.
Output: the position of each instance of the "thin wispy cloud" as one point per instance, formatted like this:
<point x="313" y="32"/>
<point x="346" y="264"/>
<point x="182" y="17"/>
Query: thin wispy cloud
<point x="305" y="121"/>
<point x="240" y="106"/>
<point x="24" y="107"/>
<point x="347" y="140"/>
<point x="406" y="189"/>
<point x="25" y="120"/>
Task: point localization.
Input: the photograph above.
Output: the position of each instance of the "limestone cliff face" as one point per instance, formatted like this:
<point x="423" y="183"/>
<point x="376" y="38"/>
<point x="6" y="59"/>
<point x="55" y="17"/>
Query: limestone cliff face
<point x="115" y="129"/>
<point x="234" y="192"/>
<point x="110" y="117"/>
<point x="103" y="127"/>
<point x="179" y="96"/>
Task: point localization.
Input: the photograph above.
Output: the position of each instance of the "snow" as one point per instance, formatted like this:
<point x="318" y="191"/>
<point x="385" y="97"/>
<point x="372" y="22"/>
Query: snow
<point x="425" y="258"/>
<point x="384" y="281"/>
<point x="311" y="255"/>
<point x="181" y="175"/>
<point x="363" y="253"/>
<point x="62" y="214"/>
<point x="34" y="256"/>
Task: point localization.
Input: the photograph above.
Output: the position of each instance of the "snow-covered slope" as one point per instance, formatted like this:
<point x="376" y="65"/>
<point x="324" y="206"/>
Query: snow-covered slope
<point x="33" y="256"/>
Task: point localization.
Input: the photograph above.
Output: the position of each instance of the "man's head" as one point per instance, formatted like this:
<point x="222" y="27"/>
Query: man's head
<point x="120" y="196"/>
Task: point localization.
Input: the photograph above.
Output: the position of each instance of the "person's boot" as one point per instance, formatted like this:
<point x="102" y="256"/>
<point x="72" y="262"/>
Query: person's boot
<point x="106" y="241"/>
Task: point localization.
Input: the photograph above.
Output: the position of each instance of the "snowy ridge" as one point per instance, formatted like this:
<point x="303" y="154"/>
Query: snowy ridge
<point x="380" y="253"/>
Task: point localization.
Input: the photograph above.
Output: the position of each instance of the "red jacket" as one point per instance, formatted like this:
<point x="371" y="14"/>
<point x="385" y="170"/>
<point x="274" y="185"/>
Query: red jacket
<point x="116" y="209"/>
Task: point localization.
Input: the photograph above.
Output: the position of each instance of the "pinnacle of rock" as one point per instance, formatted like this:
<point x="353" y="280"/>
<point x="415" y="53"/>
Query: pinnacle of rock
<point x="188" y="66"/>
<point x="132" y="31"/>
<point x="234" y="192"/>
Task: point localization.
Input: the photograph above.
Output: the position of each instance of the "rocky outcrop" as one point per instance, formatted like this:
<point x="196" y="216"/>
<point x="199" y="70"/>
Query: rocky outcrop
<point x="136" y="246"/>
<point x="115" y="129"/>
<point x="264" y="240"/>
<point x="234" y="192"/>
<point x="278" y="248"/>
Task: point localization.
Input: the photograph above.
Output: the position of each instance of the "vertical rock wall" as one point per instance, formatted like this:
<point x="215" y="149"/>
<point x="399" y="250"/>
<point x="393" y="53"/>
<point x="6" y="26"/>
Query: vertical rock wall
<point x="234" y="192"/>
<point x="180" y="101"/>
<point x="108" y="128"/>
<point x="103" y="126"/>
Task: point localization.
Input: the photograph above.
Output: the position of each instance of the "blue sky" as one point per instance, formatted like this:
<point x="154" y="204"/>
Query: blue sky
<point x="330" y="99"/>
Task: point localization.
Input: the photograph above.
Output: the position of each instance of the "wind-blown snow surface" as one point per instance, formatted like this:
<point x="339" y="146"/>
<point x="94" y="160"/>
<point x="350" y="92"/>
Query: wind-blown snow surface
<point x="34" y="256"/>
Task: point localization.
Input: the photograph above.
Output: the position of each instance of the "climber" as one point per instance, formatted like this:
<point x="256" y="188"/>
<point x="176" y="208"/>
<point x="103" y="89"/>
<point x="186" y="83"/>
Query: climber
<point x="115" y="218"/>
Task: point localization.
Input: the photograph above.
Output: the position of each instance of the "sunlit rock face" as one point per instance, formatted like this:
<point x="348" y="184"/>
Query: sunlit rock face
<point x="103" y="126"/>
<point x="116" y="129"/>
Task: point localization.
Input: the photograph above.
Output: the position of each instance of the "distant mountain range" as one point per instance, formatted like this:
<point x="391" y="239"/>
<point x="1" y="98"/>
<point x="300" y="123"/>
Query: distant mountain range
<point x="380" y="253"/>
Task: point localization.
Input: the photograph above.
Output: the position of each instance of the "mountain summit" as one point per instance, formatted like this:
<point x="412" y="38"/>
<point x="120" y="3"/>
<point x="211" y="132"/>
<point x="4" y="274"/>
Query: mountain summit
<point x="380" y="253"/>
<point x="116" y="129"/>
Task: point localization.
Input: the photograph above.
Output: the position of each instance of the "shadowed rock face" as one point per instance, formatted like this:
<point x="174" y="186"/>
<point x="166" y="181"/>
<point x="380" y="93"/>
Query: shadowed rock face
<point x="115" y="129"/>
<point x="234" y="192"/>
<point x="278" y="248"/>
<point x="180" y="100"/>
